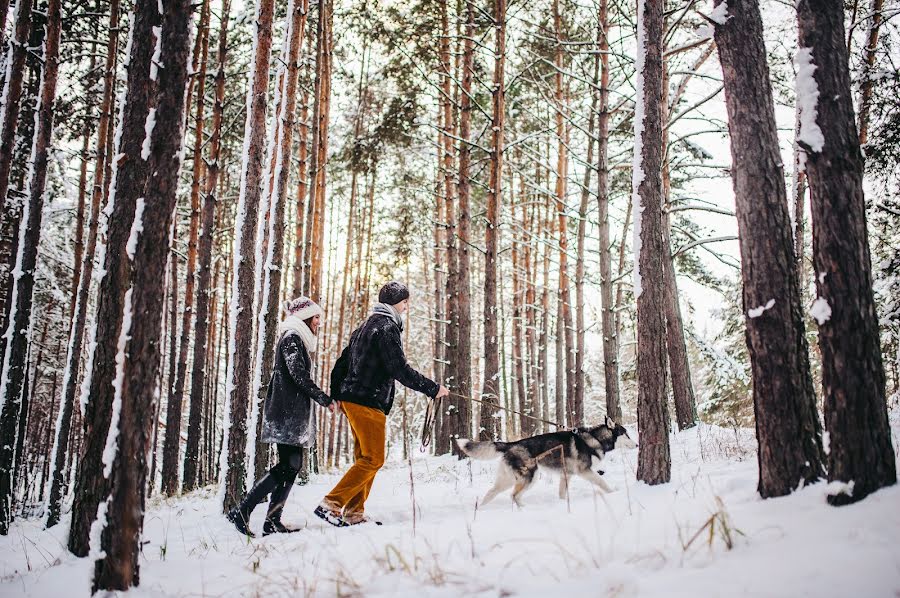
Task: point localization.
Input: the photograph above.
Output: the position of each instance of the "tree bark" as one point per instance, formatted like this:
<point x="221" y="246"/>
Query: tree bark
<point x="240" y="326"/>
<point x="853" y="378"/>
<point x="607" y="313"/>
<point x="654" y="461"/>
<point x="138" y="366"/>
<point x="18" y="326"/>
<point x="787" y="426"/>
<point x="270" y="309"/>
<point x="82" y="293"/>
<point x="460" y="418"/>
<point x="12" y="93"/>
<point x="172" y="444"/>
<point x="868" y="66"/>
<point x="202" y="318"/>
<point x="490" y="390"/>
<point x="129" y="176"/>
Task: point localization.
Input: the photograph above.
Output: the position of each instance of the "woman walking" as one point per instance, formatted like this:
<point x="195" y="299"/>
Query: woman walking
<point x="288" y="418"/>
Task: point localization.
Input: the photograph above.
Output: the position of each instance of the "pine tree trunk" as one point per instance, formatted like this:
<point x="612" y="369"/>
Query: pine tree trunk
<point x="271" y="289"/>
<point x="299" y="229"/>
<point x="519" y="306"/>
<point x="172" y="444"/>
<point x="490" y="390"/>
<point x="81" y="294"/>
<point x="853" y="378"/>
<point x="868" y="66"/>
<point x="129" y="177"/>
<point x="607" y="314"/>
<point x="679" y="367"/>
<point x="138" y="366"/>
<point x="202" y="317"/>
<point x="564" y="326"/>
<point x="240" y="326"/>
<point x="654" y="461"/>
<point x="18" y="325"/>
<point x="12" y="93"/>
<point x="460" y="418"/>
<point x="316" y="210"/>
<point x="787" y="426"/>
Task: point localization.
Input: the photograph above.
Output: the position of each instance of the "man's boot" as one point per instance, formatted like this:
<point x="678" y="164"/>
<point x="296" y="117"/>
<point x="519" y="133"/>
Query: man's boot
<point x="273" y="523"/>
<point x="240" y="515"/>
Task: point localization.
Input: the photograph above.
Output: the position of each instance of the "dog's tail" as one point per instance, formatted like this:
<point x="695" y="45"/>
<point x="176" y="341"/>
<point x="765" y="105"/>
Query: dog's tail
<point x="484" y="451"/>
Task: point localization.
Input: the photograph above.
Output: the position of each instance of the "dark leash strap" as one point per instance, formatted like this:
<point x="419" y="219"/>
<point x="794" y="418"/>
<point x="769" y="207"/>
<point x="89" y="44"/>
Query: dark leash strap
<point x="428" y="425"/>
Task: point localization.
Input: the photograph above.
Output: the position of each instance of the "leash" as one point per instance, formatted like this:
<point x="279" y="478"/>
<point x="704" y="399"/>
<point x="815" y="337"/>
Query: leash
<point x="432" y="408"/>
<point x="502" y="408"/>
<point x="428" y="425"/>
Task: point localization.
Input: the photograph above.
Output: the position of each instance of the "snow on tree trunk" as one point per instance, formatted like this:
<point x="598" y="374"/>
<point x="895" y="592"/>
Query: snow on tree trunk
<point x="190" y="477"/>
<point x="18" y="327"/>
<point x="129" y="174"/>
<point x="172" y="444"/>
<point x="654" y="461"/>
<point x="787" y="426"/>
<point x="490" y="390"/>
<point x="79" y="315"/>
<point x="232" y="459"/>
<point x="459" y="410"/>
<point x="118" y="568"/>
<point x="267" y="325"/>
<point x="11" y="96"/>
<point x="853" y="378"/>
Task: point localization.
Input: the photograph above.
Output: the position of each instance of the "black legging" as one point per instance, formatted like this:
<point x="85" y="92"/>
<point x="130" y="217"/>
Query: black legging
<point x="290" y="461"/>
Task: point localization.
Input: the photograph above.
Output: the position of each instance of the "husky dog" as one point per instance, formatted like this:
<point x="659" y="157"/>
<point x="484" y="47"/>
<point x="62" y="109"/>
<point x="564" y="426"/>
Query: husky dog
<point x="566" y="453"/>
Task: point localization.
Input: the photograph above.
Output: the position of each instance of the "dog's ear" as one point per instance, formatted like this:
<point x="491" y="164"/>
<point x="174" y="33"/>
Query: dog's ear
<point x="608" y="422"/>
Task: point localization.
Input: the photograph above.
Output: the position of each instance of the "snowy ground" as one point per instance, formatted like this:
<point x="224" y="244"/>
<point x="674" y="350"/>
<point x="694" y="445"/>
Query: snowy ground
<point x="637" y="541"/>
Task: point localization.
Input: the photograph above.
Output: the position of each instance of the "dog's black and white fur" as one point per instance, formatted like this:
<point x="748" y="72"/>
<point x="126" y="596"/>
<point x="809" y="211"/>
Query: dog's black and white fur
<point x="566" y="453"/>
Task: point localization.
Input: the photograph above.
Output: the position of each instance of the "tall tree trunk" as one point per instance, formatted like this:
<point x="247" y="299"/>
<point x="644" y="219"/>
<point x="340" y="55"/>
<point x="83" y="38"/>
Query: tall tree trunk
<point x="490" y="390"/>
<point x="607" y="315"/>
<point x="580" y="330"/>
<point x="172" y="444"/>
<point x="240" y="357"/>
<point x="190" y="476"/>
<point x="319" y="150"/>
<point x="18" y="327"/>
<point x="139" y="357"/>
<point x="868" y="66"/>
<point x="564" y="326"/>
<point x="853" y="379"/>
<point x="12" y="93"/>
<point x="269" y="309"/>
<point x="679" y="367"/>
<point x="654" y="461"/>
<point x="460" y="422"/>
<point x="78" y="320"/>
<point x="787" y="426"/>
<point x="299" y="229"/>
<point x="128" y="179"/>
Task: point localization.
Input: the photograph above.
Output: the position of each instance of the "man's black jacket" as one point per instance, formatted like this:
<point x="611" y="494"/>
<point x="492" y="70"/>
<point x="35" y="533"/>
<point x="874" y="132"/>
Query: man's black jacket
<point x="367" y="368"/>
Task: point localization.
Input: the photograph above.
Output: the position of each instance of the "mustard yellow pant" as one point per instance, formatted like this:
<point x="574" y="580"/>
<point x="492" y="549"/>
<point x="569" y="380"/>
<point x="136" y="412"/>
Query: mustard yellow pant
<point x="368" y="428"/>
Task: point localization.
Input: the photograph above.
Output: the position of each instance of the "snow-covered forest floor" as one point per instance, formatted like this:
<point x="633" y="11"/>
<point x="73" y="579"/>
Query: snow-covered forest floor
<point x="669" y="540"/>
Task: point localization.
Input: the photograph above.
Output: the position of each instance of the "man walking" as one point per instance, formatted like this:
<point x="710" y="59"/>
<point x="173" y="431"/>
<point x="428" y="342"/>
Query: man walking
<point x="369" y="365"/>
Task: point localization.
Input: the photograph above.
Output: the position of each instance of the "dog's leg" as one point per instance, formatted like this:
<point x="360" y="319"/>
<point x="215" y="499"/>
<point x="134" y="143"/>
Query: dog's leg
<point x="504" y="481"/>
<point x="522" y="484"/>
<point x="594" y="478"/>
<point x="563" y="485"/>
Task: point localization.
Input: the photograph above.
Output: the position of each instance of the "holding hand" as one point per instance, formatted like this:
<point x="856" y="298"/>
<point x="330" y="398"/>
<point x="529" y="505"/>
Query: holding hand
<point x="443" y="391"/>
<point x="334" y="407"/>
